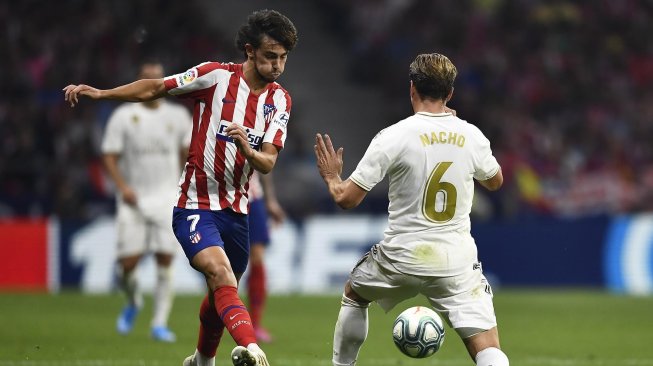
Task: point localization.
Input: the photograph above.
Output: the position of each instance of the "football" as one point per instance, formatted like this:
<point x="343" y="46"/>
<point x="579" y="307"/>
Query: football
<point x="418" y="332"/>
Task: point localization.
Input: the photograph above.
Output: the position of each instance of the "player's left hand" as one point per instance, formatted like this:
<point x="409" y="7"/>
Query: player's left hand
<point x="238" y="134"/>
<point x="329" y="162"/>
<point x="276" y="212"/>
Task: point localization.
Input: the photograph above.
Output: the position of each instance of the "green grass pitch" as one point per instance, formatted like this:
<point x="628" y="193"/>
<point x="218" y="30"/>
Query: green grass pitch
<point x="537" y="327"/>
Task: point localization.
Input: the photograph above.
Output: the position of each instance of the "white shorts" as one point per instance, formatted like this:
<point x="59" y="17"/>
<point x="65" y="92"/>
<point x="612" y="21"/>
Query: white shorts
<point x="464" y="301"/>
<point x="140" y="234"/>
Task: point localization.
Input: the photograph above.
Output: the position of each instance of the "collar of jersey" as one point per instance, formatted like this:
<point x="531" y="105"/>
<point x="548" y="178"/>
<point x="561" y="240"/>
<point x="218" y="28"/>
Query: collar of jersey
<point x="429" y="114"/>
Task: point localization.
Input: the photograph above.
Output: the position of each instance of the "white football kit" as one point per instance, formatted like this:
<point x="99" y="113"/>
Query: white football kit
<point x="431" y="161"/>
<point x="149" y="142"/>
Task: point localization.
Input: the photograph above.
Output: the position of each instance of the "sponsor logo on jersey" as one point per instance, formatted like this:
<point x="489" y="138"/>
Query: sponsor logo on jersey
<point x="255" y="137"/>
<point x="282" y="119"/>
<point x="187" y="77"/>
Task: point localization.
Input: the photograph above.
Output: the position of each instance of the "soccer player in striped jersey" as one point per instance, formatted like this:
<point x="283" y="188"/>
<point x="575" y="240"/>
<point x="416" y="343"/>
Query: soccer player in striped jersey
<point x="240" y="118"/>
<point x="431" y="159"/>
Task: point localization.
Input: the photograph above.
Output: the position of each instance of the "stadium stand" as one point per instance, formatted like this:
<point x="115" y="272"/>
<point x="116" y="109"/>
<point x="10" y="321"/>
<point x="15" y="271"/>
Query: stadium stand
<point x="561" y="88"/>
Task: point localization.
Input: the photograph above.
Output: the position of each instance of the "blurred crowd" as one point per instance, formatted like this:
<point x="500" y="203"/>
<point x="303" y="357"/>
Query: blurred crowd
<point x="49" y="152"/>
<point x="561" y="88"/>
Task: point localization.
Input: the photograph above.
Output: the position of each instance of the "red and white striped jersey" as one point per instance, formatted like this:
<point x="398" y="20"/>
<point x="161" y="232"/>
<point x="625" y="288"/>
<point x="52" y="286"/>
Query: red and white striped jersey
<point x="255" y="187"/>
<point x="216" y="175"/>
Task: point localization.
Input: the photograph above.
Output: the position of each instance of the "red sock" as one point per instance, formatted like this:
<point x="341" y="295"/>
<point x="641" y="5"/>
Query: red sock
<point x="256" y="292"/>
<point x="211" y="329"/>
<point x="234" y="315"/>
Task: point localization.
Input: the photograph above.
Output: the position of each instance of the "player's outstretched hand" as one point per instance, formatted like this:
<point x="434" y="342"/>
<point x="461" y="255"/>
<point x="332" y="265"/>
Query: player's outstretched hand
<point x="329" y="162"/>
<point x="72" y="93"/>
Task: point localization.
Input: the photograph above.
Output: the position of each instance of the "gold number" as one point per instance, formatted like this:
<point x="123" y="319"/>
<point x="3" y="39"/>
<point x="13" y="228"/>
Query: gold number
<point x="433" y="187"/>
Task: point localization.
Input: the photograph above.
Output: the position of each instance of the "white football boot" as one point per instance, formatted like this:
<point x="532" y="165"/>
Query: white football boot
<point x="189" y="361"/>
<point x="250" y="356"/>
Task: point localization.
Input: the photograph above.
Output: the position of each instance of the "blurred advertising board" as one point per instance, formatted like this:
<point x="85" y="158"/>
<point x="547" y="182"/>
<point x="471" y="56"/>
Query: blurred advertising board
<point x="315" y="255"/>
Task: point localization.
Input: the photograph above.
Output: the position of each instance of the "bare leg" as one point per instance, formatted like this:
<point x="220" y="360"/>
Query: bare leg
<point x="485" y="350"/>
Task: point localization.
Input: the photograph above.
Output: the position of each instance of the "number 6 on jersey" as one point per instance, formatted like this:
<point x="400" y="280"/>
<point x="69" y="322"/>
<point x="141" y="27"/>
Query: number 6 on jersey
<point x="447" y="192"/>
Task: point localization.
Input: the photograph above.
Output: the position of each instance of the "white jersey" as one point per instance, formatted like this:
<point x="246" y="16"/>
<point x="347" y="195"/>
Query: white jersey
<point x="431" y="161"/>
<point x="149" y="142"/>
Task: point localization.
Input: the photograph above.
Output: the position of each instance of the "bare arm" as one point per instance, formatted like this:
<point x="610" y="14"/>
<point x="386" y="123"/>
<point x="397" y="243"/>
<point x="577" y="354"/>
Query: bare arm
<point x="111" y="164"/>
<point x="345" y="194"/>
<point x="493" y="183"/>
<point x="264" y="160"/>
<point x="271" y="203"/>
<point x="139" y="91"/>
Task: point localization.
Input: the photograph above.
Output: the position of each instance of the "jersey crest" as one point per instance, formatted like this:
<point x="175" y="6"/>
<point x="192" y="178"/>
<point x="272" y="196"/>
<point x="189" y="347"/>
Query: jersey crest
<point x="268" y="112"/>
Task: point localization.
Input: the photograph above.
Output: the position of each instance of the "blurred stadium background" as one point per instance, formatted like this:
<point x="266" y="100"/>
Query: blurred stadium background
<point x="563" y="90"/>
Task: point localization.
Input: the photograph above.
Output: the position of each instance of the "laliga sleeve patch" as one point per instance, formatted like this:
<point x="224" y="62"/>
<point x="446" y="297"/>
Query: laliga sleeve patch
<point x="187" y="77"/>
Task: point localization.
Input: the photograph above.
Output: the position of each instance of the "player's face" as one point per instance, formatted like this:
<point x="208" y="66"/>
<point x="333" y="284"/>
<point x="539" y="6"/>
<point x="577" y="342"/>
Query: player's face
<point x="151" y="71"/>
<point x="269" y="59"/>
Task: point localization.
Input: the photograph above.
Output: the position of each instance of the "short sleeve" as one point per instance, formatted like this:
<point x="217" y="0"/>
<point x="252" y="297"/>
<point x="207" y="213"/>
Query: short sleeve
<point x="278" y="129"/>
<point x="114" y="133"/>
<point x="194" y="82"/>
<point x="486" y="164"/>
<point x="374" y="165"/>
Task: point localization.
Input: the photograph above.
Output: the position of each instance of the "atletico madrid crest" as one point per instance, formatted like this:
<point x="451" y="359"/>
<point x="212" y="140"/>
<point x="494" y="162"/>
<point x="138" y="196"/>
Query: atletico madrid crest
<point x="268" y="112"/>
<point x="195" y="237"/>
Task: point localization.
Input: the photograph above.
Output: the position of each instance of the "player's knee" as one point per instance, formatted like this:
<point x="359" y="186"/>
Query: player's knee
<point x="128" y="264"/>
<point x="352" y="295"/>
<point x="353" y="302"/>
<point x="218" y="275"/>
<point x="491" y="356"/>
<point x="164" y="259"/>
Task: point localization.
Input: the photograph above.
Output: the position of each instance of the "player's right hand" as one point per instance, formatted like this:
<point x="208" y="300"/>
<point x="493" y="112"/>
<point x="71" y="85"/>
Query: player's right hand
<point x="72" y="93"/>
<point x="449" y="110"/>
<point x="129" y="196"/>
<point x="329" y="161"/>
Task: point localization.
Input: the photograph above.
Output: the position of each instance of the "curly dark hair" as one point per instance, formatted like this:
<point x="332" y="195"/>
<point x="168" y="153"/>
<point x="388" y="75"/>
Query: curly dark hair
<point x="270" y="22"/>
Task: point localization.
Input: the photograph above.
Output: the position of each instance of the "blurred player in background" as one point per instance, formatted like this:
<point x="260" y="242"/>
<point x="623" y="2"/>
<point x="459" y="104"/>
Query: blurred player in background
<point x="431" y="160"/>
<point x="239" y="125"/>
<point x="144" y="148"/>
<point x="262" y="202"/>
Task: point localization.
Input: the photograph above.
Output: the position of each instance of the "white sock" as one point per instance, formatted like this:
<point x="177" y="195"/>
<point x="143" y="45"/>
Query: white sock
<point x="491" y="357"/>
<point x="350" y="332"/>
<point x="163" y="294"/>
<point x="201" y="360"/>
<point x="255" y="348"/>
<point x="129" y="285"/>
